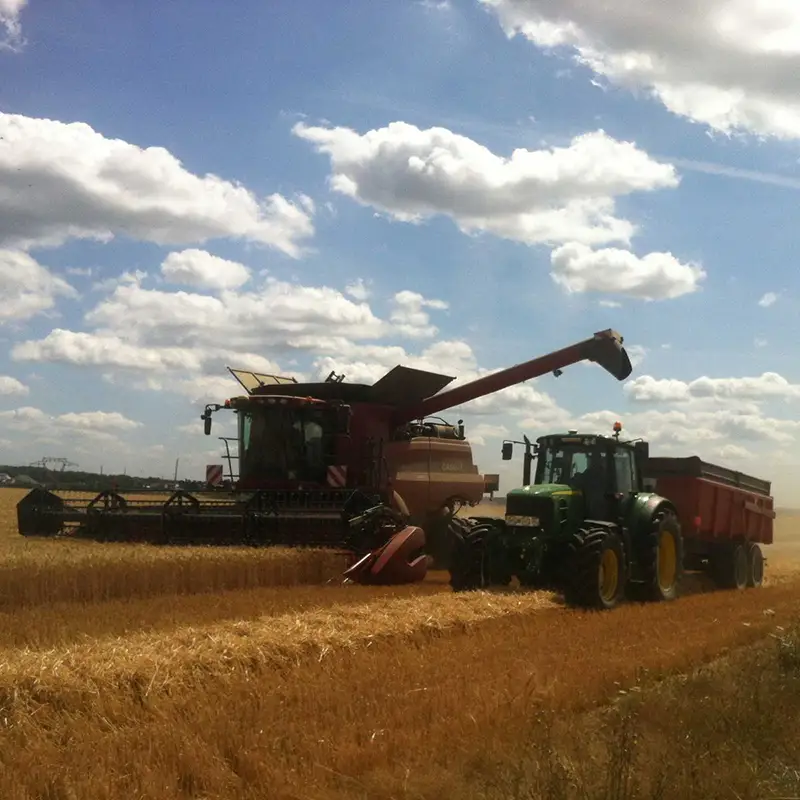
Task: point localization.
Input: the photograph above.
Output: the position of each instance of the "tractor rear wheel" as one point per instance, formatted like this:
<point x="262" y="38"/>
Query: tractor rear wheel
<point x="755" y="566"/>
<point x="597" y="569"/>
<point x="661" y="559"/>
<point x="469" y="561"/>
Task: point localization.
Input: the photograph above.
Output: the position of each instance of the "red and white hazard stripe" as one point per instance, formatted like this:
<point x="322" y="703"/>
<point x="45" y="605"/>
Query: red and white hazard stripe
<point x="214" y="474"/>
<point x="337" y="476"/>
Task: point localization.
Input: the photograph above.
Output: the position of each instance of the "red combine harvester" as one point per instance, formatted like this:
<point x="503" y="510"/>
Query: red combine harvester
<point x="364" y="469"/>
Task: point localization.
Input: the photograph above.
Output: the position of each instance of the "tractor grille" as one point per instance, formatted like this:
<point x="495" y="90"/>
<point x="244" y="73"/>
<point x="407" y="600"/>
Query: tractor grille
<point x="529" y="511"/>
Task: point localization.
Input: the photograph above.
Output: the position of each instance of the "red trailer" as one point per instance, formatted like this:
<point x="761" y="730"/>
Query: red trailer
<point x="725" y="516"/>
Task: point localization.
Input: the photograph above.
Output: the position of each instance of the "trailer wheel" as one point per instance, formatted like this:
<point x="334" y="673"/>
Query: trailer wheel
<point x="730" y="567"/>
<point x="661" y="558"/>
<point x="755" y="566"/>
<point x="597" y="569"/>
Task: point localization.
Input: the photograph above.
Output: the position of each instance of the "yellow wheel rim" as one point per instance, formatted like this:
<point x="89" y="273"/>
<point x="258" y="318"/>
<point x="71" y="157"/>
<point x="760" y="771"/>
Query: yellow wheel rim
<point x="667" y="560"/>
<point x="609" y="575"/>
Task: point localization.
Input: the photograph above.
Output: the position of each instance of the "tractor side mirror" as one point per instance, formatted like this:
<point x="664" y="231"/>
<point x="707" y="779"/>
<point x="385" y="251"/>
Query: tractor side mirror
<point x="206" y="423"/>
<point x="642" y="450"/>
<point x="508" y="449"/>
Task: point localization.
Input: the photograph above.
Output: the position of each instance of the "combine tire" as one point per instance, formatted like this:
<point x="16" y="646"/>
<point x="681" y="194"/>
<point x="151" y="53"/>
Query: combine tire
<point x="730" y="567"/>
<point x="597" y="569"/>
<point x="441" y="534"/>
<point x="755" y="566"/>
<point x="661" y="559"/>
<point x="469" y="563"/>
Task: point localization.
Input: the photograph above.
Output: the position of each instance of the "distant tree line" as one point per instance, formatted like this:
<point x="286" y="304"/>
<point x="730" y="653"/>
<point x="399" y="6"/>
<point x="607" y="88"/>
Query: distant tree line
<point x="81" y="481"/>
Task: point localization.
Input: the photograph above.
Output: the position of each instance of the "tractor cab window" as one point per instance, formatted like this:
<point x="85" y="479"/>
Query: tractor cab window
<point x="624" y="471"/>
<point x="564" y="464"/>
<point x="283" y="443"/>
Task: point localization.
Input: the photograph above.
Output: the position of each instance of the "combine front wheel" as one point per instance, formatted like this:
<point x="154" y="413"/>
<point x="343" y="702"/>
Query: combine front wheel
<point x="597" y="569"/>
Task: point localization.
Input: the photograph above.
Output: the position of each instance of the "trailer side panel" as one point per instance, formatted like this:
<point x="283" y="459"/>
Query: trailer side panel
<point x="714" y="504"/>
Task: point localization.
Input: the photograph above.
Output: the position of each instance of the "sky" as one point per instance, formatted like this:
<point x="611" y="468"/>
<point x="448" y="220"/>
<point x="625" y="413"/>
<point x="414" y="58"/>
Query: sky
<point x="454" y="185"/>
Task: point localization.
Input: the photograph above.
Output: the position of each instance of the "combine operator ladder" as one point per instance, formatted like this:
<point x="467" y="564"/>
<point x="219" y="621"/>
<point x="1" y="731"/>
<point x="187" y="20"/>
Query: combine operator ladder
<point x="231" y="457"/>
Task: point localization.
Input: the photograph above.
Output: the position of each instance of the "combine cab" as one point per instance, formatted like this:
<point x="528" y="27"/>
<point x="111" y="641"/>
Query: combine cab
<point x="369" y="470"/>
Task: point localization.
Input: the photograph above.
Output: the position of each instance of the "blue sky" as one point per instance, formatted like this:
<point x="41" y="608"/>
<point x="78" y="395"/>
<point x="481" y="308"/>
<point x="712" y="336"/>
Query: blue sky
<point x="313" y="185"/>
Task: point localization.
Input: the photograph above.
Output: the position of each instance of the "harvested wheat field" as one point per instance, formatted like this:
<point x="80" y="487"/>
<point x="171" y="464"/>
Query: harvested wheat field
<point x="137" y="672"/>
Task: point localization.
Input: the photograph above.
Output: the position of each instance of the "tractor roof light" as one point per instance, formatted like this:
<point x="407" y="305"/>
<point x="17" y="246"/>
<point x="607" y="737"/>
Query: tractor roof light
<point x="617" y="427"/>
<point x="228" y="403"/>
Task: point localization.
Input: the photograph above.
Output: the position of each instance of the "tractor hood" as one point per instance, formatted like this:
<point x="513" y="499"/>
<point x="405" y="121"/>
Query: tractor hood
<point x="543" y="490"/>
<point x="538" y="500"/>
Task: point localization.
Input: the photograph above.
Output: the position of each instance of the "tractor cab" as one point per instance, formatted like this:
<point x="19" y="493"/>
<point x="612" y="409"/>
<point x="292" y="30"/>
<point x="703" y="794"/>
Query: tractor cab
<point x="604" y="471"/>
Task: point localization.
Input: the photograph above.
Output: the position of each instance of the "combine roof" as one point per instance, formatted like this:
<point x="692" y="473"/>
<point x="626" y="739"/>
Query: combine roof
<point x="400" y="386"/>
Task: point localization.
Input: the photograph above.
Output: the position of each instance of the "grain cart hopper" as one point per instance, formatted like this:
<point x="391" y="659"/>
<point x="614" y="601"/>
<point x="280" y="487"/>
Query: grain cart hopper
<point x="601" y="519"/>
<point x="366" y="469"/>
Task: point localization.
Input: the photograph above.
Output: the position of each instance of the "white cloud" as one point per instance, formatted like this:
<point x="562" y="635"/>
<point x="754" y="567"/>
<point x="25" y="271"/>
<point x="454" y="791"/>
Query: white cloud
<point x="65" y="180"/>
<point x="104" y="426"/>
<point x="656" y="276"/>
<point x="768" y="299"/>
<point x="478" y="434"/>
<point x="10" y="11"/>
<point x="156" y="331"/>
<point x="109" y="284"/>
<point x="545" y="196"/>
<point x="97" y="420"/>
<point x="104" y="349"/>
<point x="26" y="287"/>
<point x="203" y="270"/>
<point x="733" y="65"/>
<point x="637" y="353"/>
<point x="646" y="389"/>
<point x="358" y="290"/>
<point x="409" y="316"/>
<point x="11" y="386"/>
<point x="278" y="314"/>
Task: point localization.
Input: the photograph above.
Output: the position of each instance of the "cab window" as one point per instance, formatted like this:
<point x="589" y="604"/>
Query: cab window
<point x="624" y="471"/>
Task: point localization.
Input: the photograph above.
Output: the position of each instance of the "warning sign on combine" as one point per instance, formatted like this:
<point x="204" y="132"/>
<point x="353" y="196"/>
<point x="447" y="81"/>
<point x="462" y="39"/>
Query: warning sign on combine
<point x="214" y="474"/>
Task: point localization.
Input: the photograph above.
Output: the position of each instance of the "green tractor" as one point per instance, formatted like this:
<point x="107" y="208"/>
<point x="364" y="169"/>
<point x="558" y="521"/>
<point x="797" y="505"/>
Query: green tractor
<point x="584" y="526"/>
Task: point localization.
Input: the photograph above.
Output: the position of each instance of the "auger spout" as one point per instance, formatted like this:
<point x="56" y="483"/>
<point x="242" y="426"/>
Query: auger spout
<point x="604" y="348"/>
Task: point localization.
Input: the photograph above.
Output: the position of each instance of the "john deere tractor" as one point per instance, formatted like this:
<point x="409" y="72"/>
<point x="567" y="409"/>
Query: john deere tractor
<point x="583" y="526"/>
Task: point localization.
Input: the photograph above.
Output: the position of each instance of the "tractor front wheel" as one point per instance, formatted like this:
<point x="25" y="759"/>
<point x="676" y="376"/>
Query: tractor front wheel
<point x="470" y="567"/>
<point x="597" y="569"/>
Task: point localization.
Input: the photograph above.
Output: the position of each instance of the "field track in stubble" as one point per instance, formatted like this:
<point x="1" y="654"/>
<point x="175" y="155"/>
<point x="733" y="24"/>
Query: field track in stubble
<point x="127" y="671"/>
